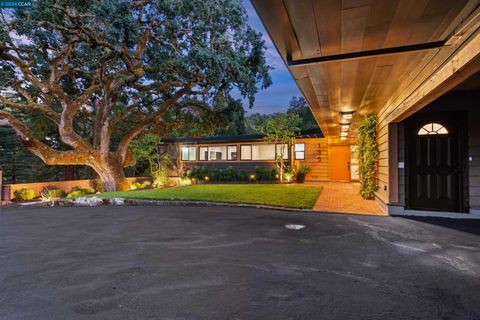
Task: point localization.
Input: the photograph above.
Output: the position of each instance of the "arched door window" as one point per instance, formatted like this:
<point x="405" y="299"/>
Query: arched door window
<point x="432" y="128"/>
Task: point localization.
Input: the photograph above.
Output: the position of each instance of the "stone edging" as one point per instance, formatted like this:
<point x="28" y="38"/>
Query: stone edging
<point x="95" y="201"/>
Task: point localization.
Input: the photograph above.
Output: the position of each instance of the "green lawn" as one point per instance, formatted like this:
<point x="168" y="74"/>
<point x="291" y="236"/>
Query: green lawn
<point x="292" y="196"/>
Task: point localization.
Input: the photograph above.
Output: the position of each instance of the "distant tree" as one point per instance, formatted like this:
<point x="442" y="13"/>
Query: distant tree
<point x="299" y="106"/>
<point x="281" y="130"/>
<point x="227" y="117"/>
<point x="102" y="72"/>
<point x="255" y="121"/>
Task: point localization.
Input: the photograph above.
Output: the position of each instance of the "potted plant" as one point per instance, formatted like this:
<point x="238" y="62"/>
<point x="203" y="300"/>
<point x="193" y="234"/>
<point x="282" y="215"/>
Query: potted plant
<point x="301" y="172"/>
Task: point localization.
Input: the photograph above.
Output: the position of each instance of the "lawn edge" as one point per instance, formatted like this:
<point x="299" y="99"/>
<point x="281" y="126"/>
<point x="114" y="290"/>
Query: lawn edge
<point x="137" y="202"/>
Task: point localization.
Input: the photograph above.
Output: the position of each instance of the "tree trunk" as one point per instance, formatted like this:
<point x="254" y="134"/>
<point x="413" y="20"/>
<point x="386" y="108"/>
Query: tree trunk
<point x="112" y="175"/>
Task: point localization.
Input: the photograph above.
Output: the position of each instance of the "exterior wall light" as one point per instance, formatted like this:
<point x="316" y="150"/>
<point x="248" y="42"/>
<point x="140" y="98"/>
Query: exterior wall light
<point x="344" y="127"/>
<point x="343" y="134"/>
<point x="347" y="115"/>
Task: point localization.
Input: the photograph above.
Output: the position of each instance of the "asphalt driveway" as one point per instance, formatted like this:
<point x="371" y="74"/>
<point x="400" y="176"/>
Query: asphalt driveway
<point x="234" y="263"/>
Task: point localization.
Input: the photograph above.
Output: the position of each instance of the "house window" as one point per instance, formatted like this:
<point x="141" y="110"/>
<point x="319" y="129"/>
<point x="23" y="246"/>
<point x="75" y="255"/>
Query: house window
<point x="246" y="152"/>
<point x="284" y="149"/>
<point x="299" y="151"/>
<point x="217" y="153"/>
<point x="189" y="153"/>
<point x="203" y="153"/>
<point x="432" y="128"/>
<point x="263" y="152"/>
<point x="232" y="153"/>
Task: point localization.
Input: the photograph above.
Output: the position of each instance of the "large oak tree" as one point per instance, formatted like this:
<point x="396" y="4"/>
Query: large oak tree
<point x="104" y="71"/>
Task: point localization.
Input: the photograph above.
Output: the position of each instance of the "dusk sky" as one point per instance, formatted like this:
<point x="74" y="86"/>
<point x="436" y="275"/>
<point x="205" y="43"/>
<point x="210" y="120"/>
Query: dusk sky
<point x="277" y="96"/>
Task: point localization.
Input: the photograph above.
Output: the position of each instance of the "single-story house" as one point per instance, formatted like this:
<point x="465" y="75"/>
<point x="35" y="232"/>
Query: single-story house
<point x="415" y="65"/>
<point x="328" y="160"/>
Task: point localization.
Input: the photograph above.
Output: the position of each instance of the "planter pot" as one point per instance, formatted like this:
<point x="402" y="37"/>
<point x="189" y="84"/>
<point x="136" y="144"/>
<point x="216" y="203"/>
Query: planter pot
<point x="300" y="178"/>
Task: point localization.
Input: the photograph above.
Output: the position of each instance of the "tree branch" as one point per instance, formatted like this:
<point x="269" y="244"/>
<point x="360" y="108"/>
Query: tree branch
<point x="139" y="127"/>
<point x="45" y="153"/>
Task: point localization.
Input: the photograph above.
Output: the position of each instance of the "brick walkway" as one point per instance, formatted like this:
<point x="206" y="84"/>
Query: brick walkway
<point x="344" y="197"/>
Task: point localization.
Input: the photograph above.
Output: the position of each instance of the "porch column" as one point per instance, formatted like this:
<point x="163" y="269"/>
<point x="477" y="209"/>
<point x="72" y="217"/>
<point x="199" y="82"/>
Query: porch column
<point x="393" y="162"/>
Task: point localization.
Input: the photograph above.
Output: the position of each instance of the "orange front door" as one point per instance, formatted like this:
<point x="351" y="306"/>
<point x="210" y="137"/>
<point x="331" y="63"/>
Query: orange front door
<point x="339" y="161"/>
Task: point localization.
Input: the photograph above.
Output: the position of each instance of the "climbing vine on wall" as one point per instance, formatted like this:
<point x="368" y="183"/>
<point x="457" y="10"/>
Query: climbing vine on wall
<point x="368" y="153"/>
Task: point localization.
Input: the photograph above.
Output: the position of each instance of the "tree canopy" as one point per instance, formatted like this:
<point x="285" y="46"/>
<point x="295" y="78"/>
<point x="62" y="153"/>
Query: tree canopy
<point x="281" y="130"/>
<point x="297" y="106"/>
<point x="101" y="72"/>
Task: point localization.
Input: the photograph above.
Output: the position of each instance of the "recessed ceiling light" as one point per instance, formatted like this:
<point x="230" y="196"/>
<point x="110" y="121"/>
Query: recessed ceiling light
<point x="347" y="115"/>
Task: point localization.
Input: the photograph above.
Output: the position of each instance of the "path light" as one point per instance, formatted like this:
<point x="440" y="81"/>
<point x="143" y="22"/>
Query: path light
<point x="252" y="177"/>
<point x="206" y="178"/>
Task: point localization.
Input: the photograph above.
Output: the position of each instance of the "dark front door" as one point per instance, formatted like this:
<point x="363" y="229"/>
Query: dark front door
<point x="435" y="156"/>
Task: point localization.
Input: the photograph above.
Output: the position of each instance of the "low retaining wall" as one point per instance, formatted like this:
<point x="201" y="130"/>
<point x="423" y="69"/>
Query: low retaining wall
<point x="66" y="186"/>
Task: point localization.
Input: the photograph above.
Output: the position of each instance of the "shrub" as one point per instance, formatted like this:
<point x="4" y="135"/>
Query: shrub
<point x="230" y="174"/>
<point x="145" y="184"/>
<point x="80" y="192"/>
<point x="134" y="186"/>
<point x="262" y="174"/>
<point x="199" y="173"/>
<point x="242" y="175"/>
<point x="160" y="173"/>
<point x="368" y="154"/>
<point x="274" y="173"/>
<point x="49" y="194"/>
<point x="75" y="194"/>
<point x="24" y="195"/>
<point x="140" y="185"/>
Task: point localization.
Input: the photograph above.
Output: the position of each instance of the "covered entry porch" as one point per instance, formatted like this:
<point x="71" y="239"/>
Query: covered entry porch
<point x="396" y="61"/>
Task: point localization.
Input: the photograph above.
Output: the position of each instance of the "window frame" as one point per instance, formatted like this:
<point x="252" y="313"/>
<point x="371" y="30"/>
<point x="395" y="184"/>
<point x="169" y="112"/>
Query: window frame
<point x="236" y="151"/>
<point x="241" y="153"/>
<point x="295" y="151"/>
<point x="217" y="146"/>
<point x="199" y="153"/>
<point x="431" y="131"/>
<point x="265" y="144"/>
<point x="189" y="146"/>
<point x="287" y="150"/>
